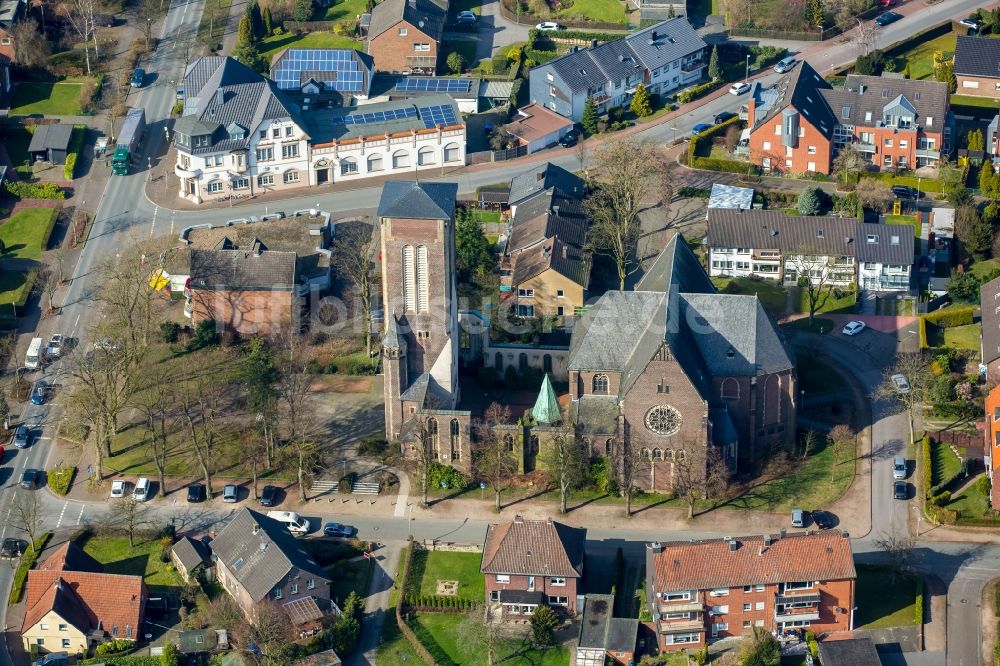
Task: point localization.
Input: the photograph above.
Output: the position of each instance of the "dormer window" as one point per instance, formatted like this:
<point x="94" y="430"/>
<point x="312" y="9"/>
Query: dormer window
<point x="202" y="141"/>
<point x="872" y="238"/>
<point x="236" y="132"/>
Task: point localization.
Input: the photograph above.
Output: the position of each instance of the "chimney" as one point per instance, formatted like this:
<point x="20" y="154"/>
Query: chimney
<point x="767" y="539"/>
<point x="220" y="96"/>
<point x="555" y="211"/>
<point x="734" y="545"/>
<point x="593" y="43"/>
<point x="655" y="547"/>
<point x="760" y="551"/>
<point x="256" y="528"/>
<point x="652" y="35"/>
<point x="861" y="89"/>
<point x="518" y="519"/>
<point x="565" y="251"/>
<point x="539" y="176"/>
<point x="782" y="533"/>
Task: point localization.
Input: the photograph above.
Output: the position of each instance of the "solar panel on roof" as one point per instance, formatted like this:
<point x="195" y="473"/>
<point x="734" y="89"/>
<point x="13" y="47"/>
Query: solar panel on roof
<point x="349" y="77"/>
<point x="434" y="116"/>
<point x="411" y="84"/>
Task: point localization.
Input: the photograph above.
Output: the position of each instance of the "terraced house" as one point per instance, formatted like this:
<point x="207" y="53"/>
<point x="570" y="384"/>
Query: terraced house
<point x="799" y="124"/>
<point x="666" y="56"/>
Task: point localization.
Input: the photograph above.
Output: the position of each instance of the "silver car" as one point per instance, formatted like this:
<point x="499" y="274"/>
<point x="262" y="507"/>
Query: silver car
<point x="899" y="467"/>
<point x="229" y="494"/>
<point x="798" y="518"/>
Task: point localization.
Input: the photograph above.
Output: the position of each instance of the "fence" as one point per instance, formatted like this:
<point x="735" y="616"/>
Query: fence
<point x="807" y="36"/>
<point x="309" y="26"/>
<point x="973" y="444"/>
<point x="509" y="14"/>
<point x="487" y="156"/>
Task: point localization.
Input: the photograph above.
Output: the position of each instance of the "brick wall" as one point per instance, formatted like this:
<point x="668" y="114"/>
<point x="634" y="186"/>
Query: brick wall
<point x="391" y="49"/>
<point x="765" y="144"/>
<point x="543" y="584"/>
<point x="985" y="86"/>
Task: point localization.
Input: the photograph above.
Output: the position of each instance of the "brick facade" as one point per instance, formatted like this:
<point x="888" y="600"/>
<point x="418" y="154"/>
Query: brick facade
<point x="811" y="151"/>
<point x="7" y="44"/>
<point x="978" y="86"/>
<point x="393" y="50"/>
<point x="541" y="584"/>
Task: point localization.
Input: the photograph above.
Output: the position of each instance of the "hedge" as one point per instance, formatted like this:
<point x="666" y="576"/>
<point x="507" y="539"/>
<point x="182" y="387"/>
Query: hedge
<point x="128" y="660"/>
<point x="23" y="190"/>
<point x="694" y="93"/>
<point x="922" y="333"/>
<point x="951" y="317"/>
<point x="918" y="609"/>
<point x="728" y="166"/>
<point x="926" y="461"/>
<point x="75" y="146"/>
<point x="28" y="560"/>
<point x="421" y="651"/>
<point x="707" y="135"/>
<point x="437" y="602"/>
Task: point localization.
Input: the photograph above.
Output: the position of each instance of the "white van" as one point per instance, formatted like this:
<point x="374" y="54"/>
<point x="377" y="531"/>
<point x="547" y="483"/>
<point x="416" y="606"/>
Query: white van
<point x="141" y="491"/>
<point x="292" y="521"/>
<point x="33" y="359"/>
<point x="785" y="64"/>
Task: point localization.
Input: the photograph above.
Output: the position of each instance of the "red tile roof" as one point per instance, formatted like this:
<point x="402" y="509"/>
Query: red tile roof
<point x="709" y="564"/>
<point x="70" y="557"/>
<point x="535" y="122"/>
<point x="534" y="548"/>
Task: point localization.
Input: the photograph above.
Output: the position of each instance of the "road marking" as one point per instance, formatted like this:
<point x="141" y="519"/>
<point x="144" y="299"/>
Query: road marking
<point x="79" y="519"/>
<point x="152" y="224"/>
<point x="61" y="514"/>
<point x="76" y="323"/>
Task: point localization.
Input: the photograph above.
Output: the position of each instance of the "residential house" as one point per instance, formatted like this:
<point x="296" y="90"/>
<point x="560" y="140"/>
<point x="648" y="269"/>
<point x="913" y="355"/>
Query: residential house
<point x="800" y="123"/>
<point x="68" y="607"/>
<point x="258" y="560"/>
<point x="405" y="35"/>
<point x="976" y="70"/>
<point x="545" y="176"/>
<point x="665" y="57"/>
<point x="550" y="279"/>
<point x="239" y="133"/>
<point x="603" y="638"/>
<point x="50" y="143"/>
<point x="833" y="251"/>
<point x="191" y="556"/>
<point x="680" y="373"/>
<point x="324" y="77"/>
<point x="527" y="563"/>
<point x="849" y="652"/>
<point x="989" y="306"/>
<point x="202" y="640"/>
<point x="536" y="128"/>
<point x="10" y="12"/>
<point x="991" y="443"/>
<point x="699" y="591"/>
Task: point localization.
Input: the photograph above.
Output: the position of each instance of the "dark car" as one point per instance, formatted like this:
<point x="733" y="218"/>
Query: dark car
<point x="138" y="77"/>
<point x="22" y="437"/>
<point x="12" y="548"/>
<point x="699" y="128"/>
<point x="29" y="479"/>
<point x="900" y="490"/>
<point x="904" y="192"/>
<point x="887" y="18"/>
<point x="196" y="493"/>
<point x="568" y="140"/>
<point x="269" y="496"/>
<point x="723" y="117"/>
<point x="823" y="520"/>
<point x="39" y="393"/>
<point x="338" y="530"/>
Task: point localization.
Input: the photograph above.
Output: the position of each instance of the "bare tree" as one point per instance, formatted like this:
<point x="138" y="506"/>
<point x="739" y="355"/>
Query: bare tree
<point x="128" y="302"/>
<point x="493" y="461"/>
<point x="690" y="474"/>
<point x="842" y="439"/>
<point x="157" y="403"/>
<point x="354" y="253"/>
<point x="626" y="462"/>
<point x="423" y="455"/>
<point x="271" y="631"/>
<point x="80" y="15"/>
<point x="31" y="48"/>
<point x="815" y="273"/>
<point x="297" y="414"/>
<point x="50" y="283"/>
<point x="130" y="515"/>
<point x="913" y="369"/>
<point x="898" y="548"/>
<point x="873" y="194"/>
<point x="147" y="13"/>
<point x="864" y="37"/>
<point x="201" y="409"/>
<point x="26" y="515"/>
<point x="253" y="453"/>
<point x="629" y="169"/>
<point x="849" y="160"/>
<point x="565" y="462"/>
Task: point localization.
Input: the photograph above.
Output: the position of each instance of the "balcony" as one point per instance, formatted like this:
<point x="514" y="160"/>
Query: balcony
<point x="692" y="66"/>
<point x="679" y="626"/>
<point x="926" y="152"/>
<point x="808" y="598"/>
<point x="864" y="147"/>
<point x="810" y="614"/>
<point x="684" y="606"/>
<point x="181" y="172"/>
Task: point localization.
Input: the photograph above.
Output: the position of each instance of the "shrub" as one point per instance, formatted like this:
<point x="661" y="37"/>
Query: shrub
<point x="951" y="317"/>
<point x="177" y="109"/>
<point x="926" y="461"/>
<point x="170" y="331"/>
<point x="727" y="166"/>
<point x="114" y="646"/>
<point x="373" y="446"/>
<point x="695" y="92"/>
<point x="360" y="367"/>
<point x="543" y="622"/>
<point x="60" y="479"/>
<point x="205" y="335"/>
<point x="23" y="190"/>
<point x="27" y="562"/>
<point x="694" y="193"/>
<point x="444" y="476"/>
<point x="347" y="483"/>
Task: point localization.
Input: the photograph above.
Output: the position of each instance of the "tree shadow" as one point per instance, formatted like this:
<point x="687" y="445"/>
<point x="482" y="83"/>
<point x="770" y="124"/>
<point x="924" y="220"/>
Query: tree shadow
<point x="570" y="509"/>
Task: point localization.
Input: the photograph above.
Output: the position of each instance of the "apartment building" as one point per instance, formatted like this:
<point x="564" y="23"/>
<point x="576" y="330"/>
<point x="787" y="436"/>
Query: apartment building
<point x="800" y="123"/>
<point x="829" y="250"/>
<point x="665" y="57"/>
<point x="991" y="443"/>
<point x="701" y="591"/>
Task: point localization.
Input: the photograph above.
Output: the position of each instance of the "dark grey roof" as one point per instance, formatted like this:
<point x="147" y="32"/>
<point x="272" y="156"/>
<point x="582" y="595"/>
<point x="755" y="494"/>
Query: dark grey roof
<point x="608" y="335"/>
<point x="249" y="269"/>
<point x="646" y="49"/>
<point x="802" y="89"/>
<point x="328" y="124"/>
<point x="197" y="640"/>
<point x="862" y="95"/>
<point x="50" y="136"/>
<point x="676" y="270"/>
<point x="831" y="236"/>
<point x="977" y="56"/>
<point x="386" y="84"/>
<point x="544" y="177"/>
<point x="427" y="393"/>
<point x="849" y="652"/>
<point x="220" y="92"/>
<point x="553" y="254"/>
<point x="599" y="629"/>
<point x="412" y="200"/>
<point x="989" y="306"/>
<point x="596" y="414"/>
<point x="548" y="214"/>
<point x="191" y="553"/>
<point x="520" y="597"/>
<point x="259" y="552"/>
<point x="427" y="15"/>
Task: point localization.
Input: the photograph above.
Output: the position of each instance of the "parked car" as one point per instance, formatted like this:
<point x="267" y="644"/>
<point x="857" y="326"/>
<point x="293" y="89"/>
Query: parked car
<point x="138" y="77"/>
<point x="887" y="18"/>
<point x="107" y="344"/>
<point x="854" y="327"/>
<point x="785" y="64"/>
<point x="55" y="347"/>
<point x="547" y="26"/>
<point x="970" y="22"/>
<point x="118" y="489"/>
<point x="22" y="437"/>
<point x="798" y="518"/>
<point x="902" y="386"/>
<point x="229" y="494"/>
<point x="465" y="18"/>
<point x="29" y="479"/>
<point x="39" y="392"/>
<point x="338" y="530"/>
<point x="141" y="491"/>
<point x="196" y="493"/>
<point x="823" y="520"/>
<point x="723" y="117"/>
<point x="269" y="496"/>
<point x="12" y="548"/>
<point x="699" y="128"/>
<point x="900" y="490"/>
<point x="899" y="467"/>
<point x="739" y="88"/>
<point x="904" y="192"/>
<point x="568" y="140"/>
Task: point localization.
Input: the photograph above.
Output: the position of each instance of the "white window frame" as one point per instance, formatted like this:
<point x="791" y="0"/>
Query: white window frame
<point x="502" y="579"/>
<point x="557" y="581"/>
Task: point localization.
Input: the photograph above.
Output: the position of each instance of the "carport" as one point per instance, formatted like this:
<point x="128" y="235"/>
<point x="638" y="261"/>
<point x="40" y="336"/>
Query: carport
<point x="50" y="143"/>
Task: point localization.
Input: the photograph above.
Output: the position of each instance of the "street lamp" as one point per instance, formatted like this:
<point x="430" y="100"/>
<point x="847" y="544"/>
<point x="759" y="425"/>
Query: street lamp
<point x="746" y="77"/>
<point x="674" y="130"/>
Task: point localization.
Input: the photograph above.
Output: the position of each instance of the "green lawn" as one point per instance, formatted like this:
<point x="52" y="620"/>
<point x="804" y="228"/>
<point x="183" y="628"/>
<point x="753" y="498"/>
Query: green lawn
<point x="883" y="602"/>
<point x="828" y="300"/>
<point x="428" y="567"/>
<point x="451" y="639"/>
<point x="770" y="293"/>
<point x="982" y="268"/>
<point x="16" y="139"/>
<point x="350" y="576"/>
<point x="48" y="99"/>
<point x="969" y="100"/>
<point x="14" y="288"/>
<point x="962" y="337"/>
<point x="603" y="11"/>
<point x="944" y="463"/>
<point x="921" y="57"/>
<point x="342" y="10"/>
<point x="214" y="17"/>
<point x="910" y="220"/>
<point x="26" y="233"/>
<point x="970" y="503"/>
<point x="466" y="48"/>
<point x="118" y="557"/>
<point x="317" y="40"/>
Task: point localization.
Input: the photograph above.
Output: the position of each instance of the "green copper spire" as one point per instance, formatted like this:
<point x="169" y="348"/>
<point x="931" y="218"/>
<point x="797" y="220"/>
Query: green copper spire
<point x="546" y="409"/>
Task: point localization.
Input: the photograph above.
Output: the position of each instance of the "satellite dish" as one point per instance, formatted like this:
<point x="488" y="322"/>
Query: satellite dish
<point x="420" y="24"/>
